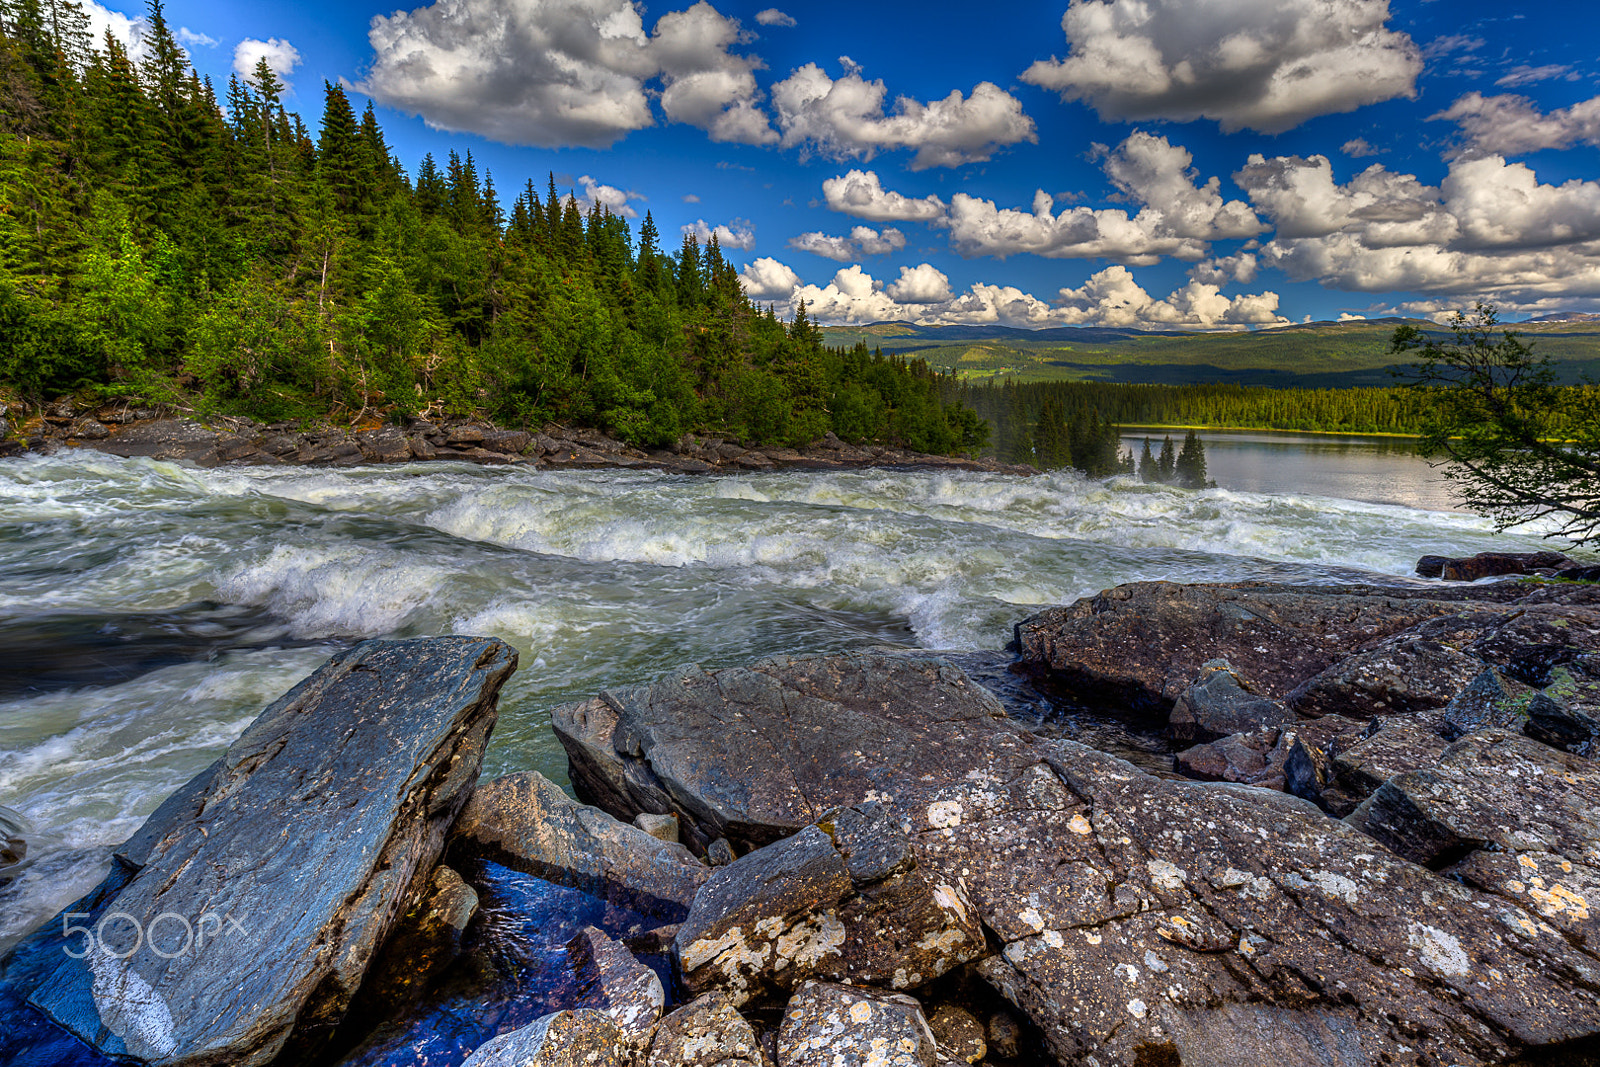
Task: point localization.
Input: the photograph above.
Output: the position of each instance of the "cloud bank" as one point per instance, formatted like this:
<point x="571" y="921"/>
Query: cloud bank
<point x="1265" y="65"/>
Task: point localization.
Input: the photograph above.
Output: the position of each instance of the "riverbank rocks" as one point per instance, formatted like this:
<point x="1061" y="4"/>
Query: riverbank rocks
<point x="1134" y="919"/>
<point x="171" y="435"/>
<point x="829" y="1025"/>
<point x="239" y="921"/>
<point x="609" y="979"/>
<point x="1141" y="645"/>
<point x="525" y="822"/>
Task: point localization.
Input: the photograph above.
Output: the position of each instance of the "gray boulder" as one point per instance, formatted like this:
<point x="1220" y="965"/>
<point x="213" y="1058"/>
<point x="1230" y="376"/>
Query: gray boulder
<point x="755" y="753"/>
<point x="791" y="911"/>
<point x="165" y="439"/>
<point x="706" y="1032"/>
<point x="609" y="979"/>
<point x="525" y="822"/>
<point x="241" y="918"/>
<point x="828" y="1025"/>
<point x="1219" y="705"/>
<point x="583" y="1038"/>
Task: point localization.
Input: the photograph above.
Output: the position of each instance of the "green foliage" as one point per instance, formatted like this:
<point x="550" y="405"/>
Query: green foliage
<point x="1518" y="446"/>
<point x="151" y="247"/>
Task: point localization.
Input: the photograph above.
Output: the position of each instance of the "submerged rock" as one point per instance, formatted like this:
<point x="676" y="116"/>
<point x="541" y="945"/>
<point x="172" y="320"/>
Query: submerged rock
<point x="241" y="918"/>
<point x="584" y="1038"/>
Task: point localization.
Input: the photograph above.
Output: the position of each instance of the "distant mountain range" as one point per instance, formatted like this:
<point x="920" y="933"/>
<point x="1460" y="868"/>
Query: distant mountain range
<point x="1313" y="354"/>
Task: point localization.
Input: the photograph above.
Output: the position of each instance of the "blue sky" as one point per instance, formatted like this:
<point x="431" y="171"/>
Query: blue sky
<point x="1162" y="164"/>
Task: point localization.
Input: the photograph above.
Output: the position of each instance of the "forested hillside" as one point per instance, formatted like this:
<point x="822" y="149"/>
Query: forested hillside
<point x="160" y="242"/>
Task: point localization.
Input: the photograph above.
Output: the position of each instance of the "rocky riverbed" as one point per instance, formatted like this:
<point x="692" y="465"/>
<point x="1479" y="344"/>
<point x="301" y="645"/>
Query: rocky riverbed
<point x="125" y="430"/>
<point x="1381" y="845"/>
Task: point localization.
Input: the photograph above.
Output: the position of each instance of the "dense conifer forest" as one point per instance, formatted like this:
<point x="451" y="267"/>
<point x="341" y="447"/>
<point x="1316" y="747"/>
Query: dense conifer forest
<point x="160" y="242"/>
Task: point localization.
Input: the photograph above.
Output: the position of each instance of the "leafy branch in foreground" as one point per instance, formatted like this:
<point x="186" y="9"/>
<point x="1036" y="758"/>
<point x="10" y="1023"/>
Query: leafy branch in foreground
<point x="1516" y="445"/>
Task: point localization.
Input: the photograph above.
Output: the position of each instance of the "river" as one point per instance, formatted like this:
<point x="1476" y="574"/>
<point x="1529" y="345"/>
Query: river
<point x="149" y="610"/>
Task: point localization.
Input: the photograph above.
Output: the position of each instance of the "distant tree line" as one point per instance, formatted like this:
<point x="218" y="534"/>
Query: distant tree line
<point x="157" y="244"/>
<point x="1358" y="410"/>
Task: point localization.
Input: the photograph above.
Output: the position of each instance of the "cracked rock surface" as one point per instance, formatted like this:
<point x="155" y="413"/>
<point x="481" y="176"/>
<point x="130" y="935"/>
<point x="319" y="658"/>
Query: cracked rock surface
<point x="1134" y="919"/>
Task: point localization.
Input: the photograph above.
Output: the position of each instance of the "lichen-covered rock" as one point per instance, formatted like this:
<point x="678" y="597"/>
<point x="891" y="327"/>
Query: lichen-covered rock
<point x="1148" y="920"/>
<point x="959" y="1033"/>
<point x="583" y="1038"/>
<point x="609" y="979"/>
<point x="1404" y="674"/>
<point x="1566" y="713"/>
<point x="1219" y="705"/>
<point x="706" y="1032"/>
<point x="1245" y="905"/>
<point x="792" y="911"/>
<point x="292" y="858"/>
<point x="829" y="1025"/>
<point x="1490" y="699"/>
<point x="1493" y="789"/>
<point x="525" y="822"/>
<point x="1390" y="746"/>
<point x="765" y="919"/>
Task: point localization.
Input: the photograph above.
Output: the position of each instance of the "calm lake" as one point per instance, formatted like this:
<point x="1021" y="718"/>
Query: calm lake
<point x="149" y="611"/>
<point x="1379" y="470"/>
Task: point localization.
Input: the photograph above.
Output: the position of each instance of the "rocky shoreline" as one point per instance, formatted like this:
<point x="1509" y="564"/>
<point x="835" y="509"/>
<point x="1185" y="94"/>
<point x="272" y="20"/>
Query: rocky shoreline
<point x="1379" y="844"/>
<point x="127" y="431"/>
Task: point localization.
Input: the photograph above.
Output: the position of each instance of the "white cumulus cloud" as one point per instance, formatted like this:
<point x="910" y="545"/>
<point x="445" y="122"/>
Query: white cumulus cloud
<point x="923" y="294"/>
<point x="738" y="234"/>
<point x="132" y="33"/>
<point x="767" y="279"/>
<point x="558" y="73"/>
<point x="922" y="284"/>
<point x="280" y="55"/>
<point x="1509" y="125"/>
<point x="862" y="241"/>
<point x="1178" y="218"/>
<point x="846" y="118"/>
<point x="1490" y="229"/>
<point x="1266" y="65"/>
<point x="861" y="193"/>
<point x="773" y="17"/>
<point x="597" y="195"/>
<point x="196" y="40"/>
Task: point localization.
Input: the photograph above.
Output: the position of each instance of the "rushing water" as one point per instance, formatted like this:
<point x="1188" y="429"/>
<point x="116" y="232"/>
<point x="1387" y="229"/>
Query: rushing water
<point x="148" y="610"/>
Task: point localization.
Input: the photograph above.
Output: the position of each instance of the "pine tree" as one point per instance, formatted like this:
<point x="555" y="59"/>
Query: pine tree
<point x="1168" y="462"/>
<point x="1149" y="471"/>
<point x="1190" y="466"/>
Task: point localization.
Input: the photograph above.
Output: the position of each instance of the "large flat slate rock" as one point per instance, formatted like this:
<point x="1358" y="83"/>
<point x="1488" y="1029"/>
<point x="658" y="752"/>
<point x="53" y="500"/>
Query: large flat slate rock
<point x="239" y="921"/>
<point x="755" y="753"/>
